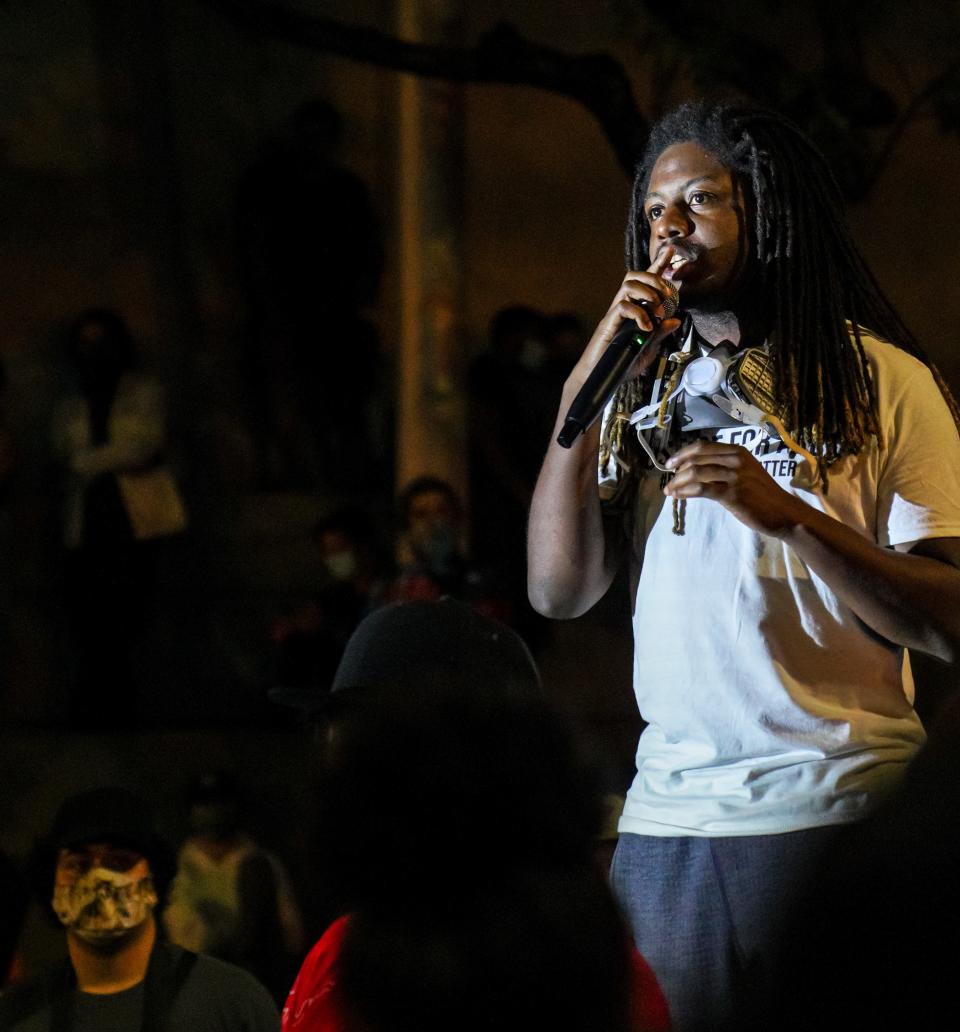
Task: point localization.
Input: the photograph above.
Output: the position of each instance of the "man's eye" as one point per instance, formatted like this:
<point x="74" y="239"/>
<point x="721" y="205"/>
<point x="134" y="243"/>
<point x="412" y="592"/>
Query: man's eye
<point x="700" y="197"/>
<point x="654" y="213"/>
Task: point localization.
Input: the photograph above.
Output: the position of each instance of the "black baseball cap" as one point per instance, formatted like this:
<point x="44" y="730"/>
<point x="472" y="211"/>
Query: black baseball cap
<point x="394" y="646"/>
<point x="109" y="814"/>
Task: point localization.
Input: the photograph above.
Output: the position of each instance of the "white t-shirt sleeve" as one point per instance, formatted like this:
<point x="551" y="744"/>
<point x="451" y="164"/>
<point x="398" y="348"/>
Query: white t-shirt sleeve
<point x="918" y="493"/>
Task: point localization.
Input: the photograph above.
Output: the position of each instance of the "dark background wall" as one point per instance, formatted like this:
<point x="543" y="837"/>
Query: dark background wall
<point x="126" y="130"/>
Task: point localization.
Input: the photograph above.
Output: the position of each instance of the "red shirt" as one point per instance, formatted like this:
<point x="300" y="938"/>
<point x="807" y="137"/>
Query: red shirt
<point x="315" y="1003"/>
<point x="649" y="1011"/>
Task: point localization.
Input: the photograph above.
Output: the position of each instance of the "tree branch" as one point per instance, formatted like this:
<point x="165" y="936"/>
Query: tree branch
<point x="910" y="113"/>
<point x="597" y="81"/>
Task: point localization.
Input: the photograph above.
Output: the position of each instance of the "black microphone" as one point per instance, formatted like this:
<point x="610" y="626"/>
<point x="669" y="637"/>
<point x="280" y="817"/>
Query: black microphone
<point x="609" y="372"/>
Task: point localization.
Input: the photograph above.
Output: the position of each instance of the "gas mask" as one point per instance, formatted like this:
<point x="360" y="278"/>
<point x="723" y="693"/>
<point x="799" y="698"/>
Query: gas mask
<point x="739" y="383"/>
<point x="712" y="388"/>
<point x="102" y="905"/>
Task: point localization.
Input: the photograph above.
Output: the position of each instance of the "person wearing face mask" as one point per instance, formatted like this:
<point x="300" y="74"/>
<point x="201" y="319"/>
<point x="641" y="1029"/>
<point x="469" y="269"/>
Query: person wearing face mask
<point x="436" y="565"/>
<point x="102" y="871"/>
<point x="310" y="635"/>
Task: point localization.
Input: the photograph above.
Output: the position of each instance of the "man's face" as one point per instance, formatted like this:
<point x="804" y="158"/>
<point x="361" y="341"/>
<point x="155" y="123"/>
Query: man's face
<point x="102" y="891"/>
<point x="694" y="205"/>
<point x="433" y="522"/>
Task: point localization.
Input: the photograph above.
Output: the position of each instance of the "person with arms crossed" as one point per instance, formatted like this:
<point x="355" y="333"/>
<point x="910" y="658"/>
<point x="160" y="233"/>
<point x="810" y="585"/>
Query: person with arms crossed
<point x="787" y="543"/>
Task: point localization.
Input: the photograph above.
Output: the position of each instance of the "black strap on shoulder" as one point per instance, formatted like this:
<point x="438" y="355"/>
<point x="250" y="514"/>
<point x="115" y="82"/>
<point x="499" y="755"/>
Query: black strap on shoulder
<point x="60" y="986"/>
<point x="168" y="971"/>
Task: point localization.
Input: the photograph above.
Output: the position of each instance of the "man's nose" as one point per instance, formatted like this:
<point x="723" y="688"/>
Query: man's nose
<point x="673" y="223"/>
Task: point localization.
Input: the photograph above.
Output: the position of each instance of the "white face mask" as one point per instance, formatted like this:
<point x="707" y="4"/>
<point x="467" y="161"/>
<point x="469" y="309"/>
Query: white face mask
<point x="533" y="354"/>
<point x="342" y="566"/>
<point x="101" y="905"/>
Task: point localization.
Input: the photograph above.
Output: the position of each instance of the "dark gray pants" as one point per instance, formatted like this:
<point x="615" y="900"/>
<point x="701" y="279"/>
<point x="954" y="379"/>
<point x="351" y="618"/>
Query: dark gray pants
<point x="709" y="914"/>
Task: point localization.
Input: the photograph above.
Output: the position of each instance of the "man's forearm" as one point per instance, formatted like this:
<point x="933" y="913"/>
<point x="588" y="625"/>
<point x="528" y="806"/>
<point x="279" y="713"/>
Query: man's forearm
<point x="911" y="600"/>
<point x="568" y="568"/>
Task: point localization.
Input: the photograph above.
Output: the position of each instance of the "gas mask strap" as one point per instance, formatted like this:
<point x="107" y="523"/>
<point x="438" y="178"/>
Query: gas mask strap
<point x="646" y="447"/>
<point x="793" y="445"/>
<point x="675" y="386"/>
<point x="753" y="415"/>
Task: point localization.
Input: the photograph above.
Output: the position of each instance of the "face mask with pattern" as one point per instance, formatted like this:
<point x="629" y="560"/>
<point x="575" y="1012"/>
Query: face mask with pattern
<point x="102" y="905"/>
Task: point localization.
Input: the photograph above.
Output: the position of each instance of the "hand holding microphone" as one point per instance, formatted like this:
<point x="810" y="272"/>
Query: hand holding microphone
<point x="626" y="345"/>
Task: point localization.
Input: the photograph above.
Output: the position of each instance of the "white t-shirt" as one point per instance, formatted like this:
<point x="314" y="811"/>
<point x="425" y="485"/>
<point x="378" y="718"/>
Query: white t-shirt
<point x="770" y="707"/>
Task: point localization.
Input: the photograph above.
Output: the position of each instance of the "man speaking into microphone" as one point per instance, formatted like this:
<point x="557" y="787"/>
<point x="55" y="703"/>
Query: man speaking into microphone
<point x="781" y="471"/>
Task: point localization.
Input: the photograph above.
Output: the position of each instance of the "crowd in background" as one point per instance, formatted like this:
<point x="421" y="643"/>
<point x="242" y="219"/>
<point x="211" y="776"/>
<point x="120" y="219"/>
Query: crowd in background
<point x="122" y="509"/>
<point x="437" y="574"/>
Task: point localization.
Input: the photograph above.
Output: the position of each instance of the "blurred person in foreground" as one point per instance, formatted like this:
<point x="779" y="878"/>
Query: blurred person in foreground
<point x="461" y="836"/>
<point x="102" y="871"/>
<point x="877" y="930"/>
<point x="782" y="482"/>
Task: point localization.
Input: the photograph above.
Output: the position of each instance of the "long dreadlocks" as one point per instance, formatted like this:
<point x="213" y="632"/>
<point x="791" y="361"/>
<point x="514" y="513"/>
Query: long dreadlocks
<point x="815" y="282"/>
